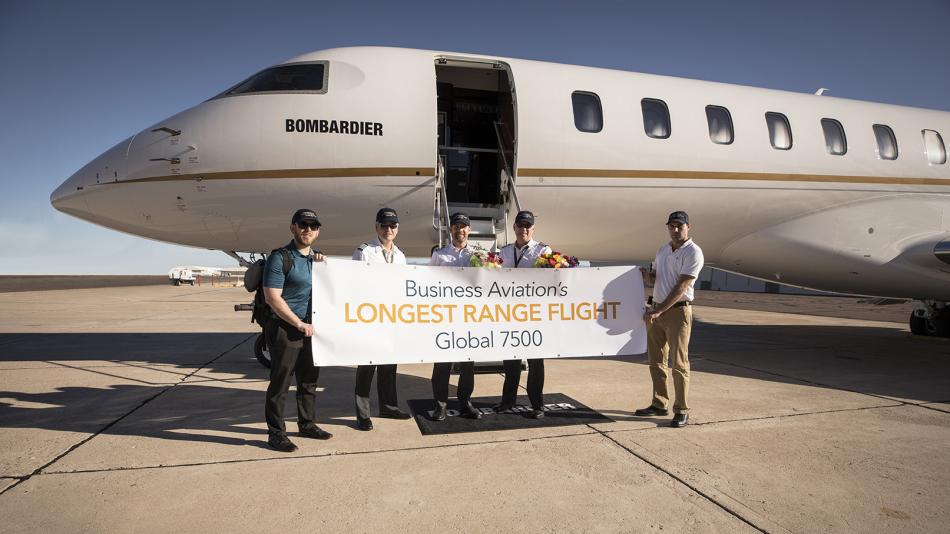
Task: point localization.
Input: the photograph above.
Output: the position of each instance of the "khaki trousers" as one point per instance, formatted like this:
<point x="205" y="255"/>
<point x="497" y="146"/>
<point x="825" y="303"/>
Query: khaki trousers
<point x="668" y="339"/>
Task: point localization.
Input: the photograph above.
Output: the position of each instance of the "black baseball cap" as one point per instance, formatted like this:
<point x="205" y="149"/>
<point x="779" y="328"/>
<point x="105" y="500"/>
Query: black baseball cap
<point x="387" y="215"/>
<point x="525" y="216"/>
<point x="678" y="216"/>
<point x="304" y="214"/>
<point x="460" y="218"/>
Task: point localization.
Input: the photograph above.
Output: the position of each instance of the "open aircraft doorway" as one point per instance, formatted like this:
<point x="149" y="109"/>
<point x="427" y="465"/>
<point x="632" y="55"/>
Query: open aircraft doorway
<point x="477" y="146"/>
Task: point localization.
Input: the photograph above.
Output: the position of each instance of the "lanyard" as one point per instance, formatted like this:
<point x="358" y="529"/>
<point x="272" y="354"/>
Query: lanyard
<point x="519" y="257"/>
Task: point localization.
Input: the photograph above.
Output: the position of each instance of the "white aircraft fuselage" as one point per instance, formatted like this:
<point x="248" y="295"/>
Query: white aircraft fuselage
<point x="228" y="173"/>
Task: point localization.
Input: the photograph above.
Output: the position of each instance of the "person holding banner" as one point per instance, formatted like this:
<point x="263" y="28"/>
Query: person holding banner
<point x="288" y="332"/>
<point x="382" y="249"/>
<point x="521" y="254"/>
<point x="458" y="253"/>
<point x="670" y="321"/>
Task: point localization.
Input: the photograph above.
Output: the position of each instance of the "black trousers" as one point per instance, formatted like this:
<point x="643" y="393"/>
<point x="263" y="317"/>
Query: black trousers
<point x="440" y="381"/>
<point x="385" y="387"/>
<point x="289" y="353"/>
<point x="509" y="392"/>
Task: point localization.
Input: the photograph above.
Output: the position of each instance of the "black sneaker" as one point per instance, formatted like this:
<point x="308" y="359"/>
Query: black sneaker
<point x="280" y="442"/>
<point x="364" y="424"/>
<point x="312" y="431"/>
<point x="651" y="411"/>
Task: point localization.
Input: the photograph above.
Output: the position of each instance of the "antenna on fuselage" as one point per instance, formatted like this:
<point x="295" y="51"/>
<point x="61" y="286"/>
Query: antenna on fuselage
<point x="821" y="91"/>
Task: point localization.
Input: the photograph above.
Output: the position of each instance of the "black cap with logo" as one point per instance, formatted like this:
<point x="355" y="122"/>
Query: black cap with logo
<point x="304" y="214"/>
<point x="387" y="215"/>
<point x="460" y="218"/>
<point x="678" y="216"/>
<point x="525" y="216"/>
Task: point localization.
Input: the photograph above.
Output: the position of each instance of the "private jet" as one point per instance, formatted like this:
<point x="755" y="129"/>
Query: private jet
<point x="801" y="189"/>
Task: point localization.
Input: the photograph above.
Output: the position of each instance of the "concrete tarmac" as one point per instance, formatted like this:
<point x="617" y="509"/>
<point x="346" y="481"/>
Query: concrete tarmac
<point x="141" y="409"/>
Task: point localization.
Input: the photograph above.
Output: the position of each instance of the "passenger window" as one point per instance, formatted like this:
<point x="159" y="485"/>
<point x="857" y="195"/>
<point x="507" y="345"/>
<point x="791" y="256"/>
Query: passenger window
<point x="656" y="118"/>
<point x="780" y="131"/>
<point x="292" y="78"/>
<point x="588" y="115"/>
<point x="933" y="145"/>
<point x="886" y="142"/>
<point x="835" y="142"/>
<point x="720" y="125"/>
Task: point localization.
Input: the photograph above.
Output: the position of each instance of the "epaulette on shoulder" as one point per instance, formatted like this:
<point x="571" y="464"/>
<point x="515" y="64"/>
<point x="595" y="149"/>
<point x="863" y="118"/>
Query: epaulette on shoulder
<point x="363" y="246"/>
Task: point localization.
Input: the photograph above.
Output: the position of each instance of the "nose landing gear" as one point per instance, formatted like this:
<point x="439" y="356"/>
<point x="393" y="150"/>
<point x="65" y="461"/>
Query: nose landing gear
<point x="930" y="318"/>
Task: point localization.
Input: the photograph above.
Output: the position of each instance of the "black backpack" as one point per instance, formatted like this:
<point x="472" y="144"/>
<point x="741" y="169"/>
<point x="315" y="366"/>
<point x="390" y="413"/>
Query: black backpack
<point x="254" y="283"/>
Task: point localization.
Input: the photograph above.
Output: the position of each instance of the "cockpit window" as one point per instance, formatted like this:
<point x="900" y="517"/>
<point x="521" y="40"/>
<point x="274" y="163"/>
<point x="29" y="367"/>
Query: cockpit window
<point x="308" y="77"/>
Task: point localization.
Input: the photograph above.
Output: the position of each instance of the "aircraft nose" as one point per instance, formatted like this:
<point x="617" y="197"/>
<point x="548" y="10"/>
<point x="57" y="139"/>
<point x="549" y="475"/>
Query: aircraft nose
<point x="69" y="197"/>
<point x="72" y="195"/>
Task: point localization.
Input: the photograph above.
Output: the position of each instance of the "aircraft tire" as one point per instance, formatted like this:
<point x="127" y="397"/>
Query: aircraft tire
<point x="261" y="352"/>
<point x="938" y="326"/>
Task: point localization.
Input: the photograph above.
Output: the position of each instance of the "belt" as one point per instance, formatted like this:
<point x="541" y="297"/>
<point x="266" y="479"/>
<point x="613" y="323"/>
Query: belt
<point x="679" y="304"/>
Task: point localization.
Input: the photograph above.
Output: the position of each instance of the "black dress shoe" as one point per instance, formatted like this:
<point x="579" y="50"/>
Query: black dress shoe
<point x="280" y="442"/>
<point x="364" y="424"/>
<point x="393" y="414"/>
<point x="469" y="411"/>
<point x="312" y="431"/>
<point x="650" y="411"/>
<point x="536" y="413"/>
<point x="503" y="407"/>
<point x="439" y="413"/>
<point x="680" y="420"/>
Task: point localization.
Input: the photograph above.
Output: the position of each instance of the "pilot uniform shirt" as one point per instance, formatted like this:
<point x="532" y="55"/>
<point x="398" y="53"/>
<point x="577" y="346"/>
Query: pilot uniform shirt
<point x="373" y="252"/>
<point x="449" y="256"/>
<point x="520" y="257"/>
<point x="670" y="265"/>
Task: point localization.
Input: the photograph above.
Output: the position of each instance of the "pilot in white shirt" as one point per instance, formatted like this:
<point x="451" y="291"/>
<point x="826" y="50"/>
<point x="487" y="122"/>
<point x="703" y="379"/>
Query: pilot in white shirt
<point x="458" y="253"/>
<point x="381" y="249"/>
<point x="523" y="253"/>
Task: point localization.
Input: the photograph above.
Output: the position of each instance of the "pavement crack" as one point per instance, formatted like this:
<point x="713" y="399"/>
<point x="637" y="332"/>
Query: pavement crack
<point x="87" y="439"/>
<point x="318" y="455"/>
<point x="729" y="510"/>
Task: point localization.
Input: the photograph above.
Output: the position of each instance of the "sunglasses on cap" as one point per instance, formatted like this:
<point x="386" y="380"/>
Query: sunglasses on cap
<point x="308" y="225"/>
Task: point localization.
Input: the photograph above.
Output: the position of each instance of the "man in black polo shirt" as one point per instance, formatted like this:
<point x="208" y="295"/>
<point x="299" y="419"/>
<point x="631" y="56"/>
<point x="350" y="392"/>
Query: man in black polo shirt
<point x="289" y="331"/>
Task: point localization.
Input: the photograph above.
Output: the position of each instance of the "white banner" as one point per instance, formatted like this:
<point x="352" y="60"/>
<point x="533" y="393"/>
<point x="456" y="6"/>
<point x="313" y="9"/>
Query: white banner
<point x="375" y="313"/>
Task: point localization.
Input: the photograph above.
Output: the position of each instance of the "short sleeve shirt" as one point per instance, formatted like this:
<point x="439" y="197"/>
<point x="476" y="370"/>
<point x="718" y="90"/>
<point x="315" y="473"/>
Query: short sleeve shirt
<point x="372" y="251"/>
<point x="450" y="256"/>
<point x="670" y="265"/>
<point x="520" y="257"/>
<point x="297" y="285"/>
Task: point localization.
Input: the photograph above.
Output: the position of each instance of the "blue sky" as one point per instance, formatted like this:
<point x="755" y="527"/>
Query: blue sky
<point x="80" y="76"/>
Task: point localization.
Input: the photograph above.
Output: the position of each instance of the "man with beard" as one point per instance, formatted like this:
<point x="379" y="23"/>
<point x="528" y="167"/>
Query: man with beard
<point x="288" y="332"/>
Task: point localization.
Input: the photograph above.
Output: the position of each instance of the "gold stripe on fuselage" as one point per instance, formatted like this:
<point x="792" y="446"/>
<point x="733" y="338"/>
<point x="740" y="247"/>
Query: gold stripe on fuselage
<point x="746" y="176"/>
<point x="345" y="172"/>
<point x="355" y="172"/>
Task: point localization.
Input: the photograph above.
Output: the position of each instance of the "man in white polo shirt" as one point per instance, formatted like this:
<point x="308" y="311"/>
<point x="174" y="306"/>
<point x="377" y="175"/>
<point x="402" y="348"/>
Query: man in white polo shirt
<point x="670" y="320"/>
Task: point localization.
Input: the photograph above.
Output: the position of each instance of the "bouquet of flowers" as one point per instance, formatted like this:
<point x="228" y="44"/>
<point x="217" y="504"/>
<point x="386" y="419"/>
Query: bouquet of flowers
<point x="485" y="258"/>
<point x="556" y="260"/>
